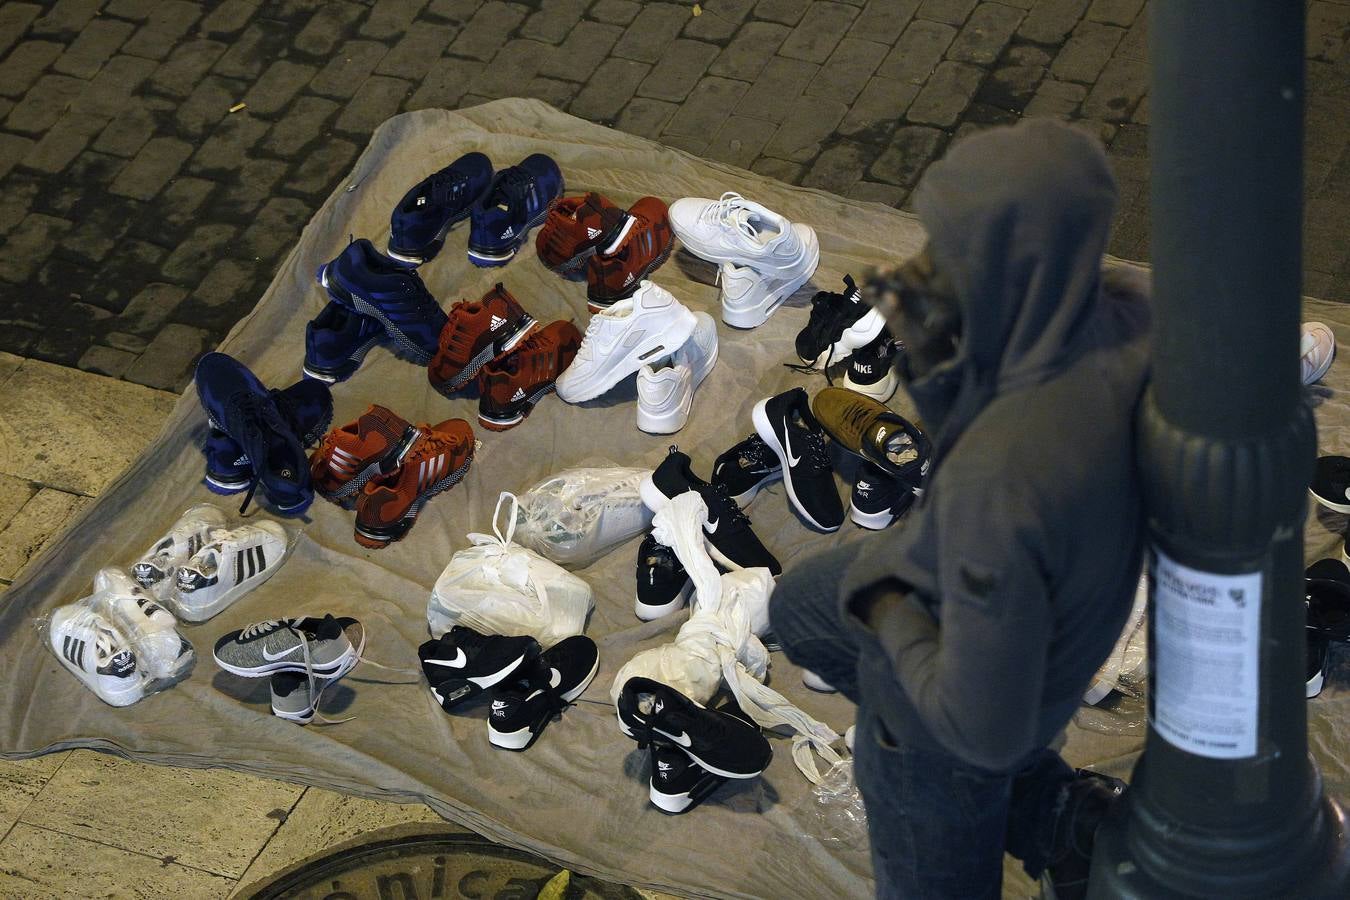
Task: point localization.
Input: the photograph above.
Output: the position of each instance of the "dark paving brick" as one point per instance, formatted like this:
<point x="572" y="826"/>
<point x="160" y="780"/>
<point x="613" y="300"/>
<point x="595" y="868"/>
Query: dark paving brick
<point x="838" y="168"/>
<point x="149" y="309"/>
<point x="14" y="21"/>
<point x="316" y="173"/>
<point x="303" y="123"/>
<point x="883" y="20"/>
<point x="29" y="245"/>
<point x="44" y="104"/>
<point x="376" y="100"/>
<point x="110" y="90"/>
<point x="346" y="71"/>
<point x="1328" y="30"/>
<point x="176" y="210"/>
<point x="708" y="106"/>
<point x="225" y="150"/>
<point x="63" y="142"/>
<point x="96" y="44"/>
<point x="752" y="48"/>
<point x="788" y="12"/>
<point x="1135" y="44"/>
<point x="909" y="153"/>
<point x="721" y="19"/>
<point x="876" y="192"/>
<point x="610" y="88"/>
<point x="615" y="12"/>
<point x="812" y="120"/>
<point x="878" y="109"/>
<point x="168" y="23"/>
<point x="985" y="34"/>
<point x="229" y="18"/>
<point x="81" y="185"/>
<point x="208" y="306"/>
<point x="918" y="51"/>
<point x="952" y="12"/>
<point x="22" y="67"/>
<point x="157" y="162"/>
<point x="106" y="361"/>
<point x="254" y="183"/>
<point x="189" y="61"/>
<point x="652" y="31"/>
<point x="846" y="72"/>
<point x="780" y="169"/>
<point x="414" y="55"/>
<point x="740" y="140"/>
<point x="194" y="255"/>
<point x="252" y="51"/>
<point x="511" y="69"/>
<point x="100" y="230"/>
<point x="1058" y="99"/>
<point x="167" y="363"/>
<point x="1011" y="87"/>
<point x="326" y="28"/>
<point x="275" y="228"/>
<point x="552" y="23"/>
<point x="946" y="95"/>
<point x="1121" y="85"/>
<point x="277" y="87"/>
<point x="1116" y="12"/>
<point x="678" y="71"/>
<point x="389" y="18"/>
<point x="67" y="17"/>
<point x="444" y="85"/>
<point x="485" y="33"/>
<point x="12" y="149"/>
<point x="553" y="92"/>
<point x="1049" y="21"/>
<point x="456" y="11"/>
<point x="1086" y="52"/>
<point x="208" y="104"/>
<point x="577" y="58"/>
<point x="819" y="32"/>
<point x="646" y="117"/>
<point x="774" y="94"/>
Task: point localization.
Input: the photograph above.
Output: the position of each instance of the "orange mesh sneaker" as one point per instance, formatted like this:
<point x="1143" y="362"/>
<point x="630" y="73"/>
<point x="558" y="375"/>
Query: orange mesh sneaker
<point x="390" y="503"/>
<point x="477" y="332"/>
<point x="353" y="454"/>
<point x="512" y="386"/>
<point x="575" y="227"/>
<point x="637" y="250"/>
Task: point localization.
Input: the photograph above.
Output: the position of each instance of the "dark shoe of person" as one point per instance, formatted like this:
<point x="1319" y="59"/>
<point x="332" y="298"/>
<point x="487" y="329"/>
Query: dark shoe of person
<point x="879" y="498"/>
<point x="718" y="741"/>
<point x="238" y="404"/>
<point x="867" y="428"/>
<point x="731" y="541"/>
<point x="1088" y="800"/>
<point x="575" y="227"/>
<point x="785" y="423"/>
<point x="663" y="586"/>
<point x="462" y="663"/>
<point x="365" y="280"/>
<point x="512" y="386"/>
<point x="523" y="706"/>
<point x="389" y="504"/>
<point x="871" y="369"/>
<point x="351" y="455"/>
<point x="424" y="216"/>
<point x="839" y="324"/>
<point x="477" y="332"/>
<point x="1331" y="483"/>
<point x="745" y="468"/>
<point x="337" y="341"/>
<point x="642" y="245"/>
<point x="518" y="200"/>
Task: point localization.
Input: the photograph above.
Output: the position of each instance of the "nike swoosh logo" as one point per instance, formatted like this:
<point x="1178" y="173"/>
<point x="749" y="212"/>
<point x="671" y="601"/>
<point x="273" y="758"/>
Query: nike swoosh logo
<point x="711" y="527"/>
<point x="457" y="663"/>
<point x="787" y="446"/>
<point x="272" y="657"/>
<point x="682" y="739"/>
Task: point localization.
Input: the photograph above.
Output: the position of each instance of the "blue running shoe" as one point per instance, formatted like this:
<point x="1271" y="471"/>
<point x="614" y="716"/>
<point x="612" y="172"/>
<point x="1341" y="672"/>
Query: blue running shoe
<point x="306" y="405"/>
<point x="426" y="213"/>
<point x="336" y="341"/>
<point x="365" y="280"/>
<point x="238" y="404"/>
<point x="519" y="200"/>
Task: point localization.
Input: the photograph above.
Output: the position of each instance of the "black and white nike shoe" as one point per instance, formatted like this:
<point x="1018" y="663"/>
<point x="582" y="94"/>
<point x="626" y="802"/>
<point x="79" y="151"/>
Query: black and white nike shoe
<point x="1331" y="483"/>
<point x="745" y="468"/>
<point x="730" y="540"/>
<point x="787" y="426"/>
<point x="463" y="663"/>
<point x="677" y="783"/>
<point x="718" y="741"/>
<point x="522" y="706"/>
<point x="839" y="324"/>
<point x="663" y="586"/>
<point x="871" y="369"/>
<point x="879" y="498"/>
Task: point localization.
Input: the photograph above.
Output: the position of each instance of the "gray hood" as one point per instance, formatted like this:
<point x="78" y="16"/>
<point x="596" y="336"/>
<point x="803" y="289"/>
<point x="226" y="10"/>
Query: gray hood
<point x="1018" y="218"/>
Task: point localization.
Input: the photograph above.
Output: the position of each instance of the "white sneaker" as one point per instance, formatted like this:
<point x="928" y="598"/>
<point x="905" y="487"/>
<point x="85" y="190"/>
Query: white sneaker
<point x="816" y="683"/>
<point x="192" y="531"/>
<point x="665" y="394"/>
<point x="750" y="296"/>
<point x="94" y="652"/>
<point x="736" y="230"/>
<point x="1317" y="349"/>
<point x="234" y="563"/>
<point x="150" y="629"/>
<point x="618" y="340"/>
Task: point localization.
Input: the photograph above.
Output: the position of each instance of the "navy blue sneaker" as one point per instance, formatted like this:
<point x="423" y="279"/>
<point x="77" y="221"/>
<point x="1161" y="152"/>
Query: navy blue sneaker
<point x="426" y="213"/>
<point x="365" y="280"/>
<point x="306" y="405"/>
<point x="519" y="199"/>
<point x="238" y="404"/>
<point x="336" y="341"/>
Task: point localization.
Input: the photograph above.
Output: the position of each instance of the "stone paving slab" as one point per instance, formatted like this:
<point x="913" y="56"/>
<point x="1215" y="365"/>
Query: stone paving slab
<point x="141" y="218"/>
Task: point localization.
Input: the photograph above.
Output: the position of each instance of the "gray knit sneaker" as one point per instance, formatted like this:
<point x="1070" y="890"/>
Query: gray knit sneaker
<point x="310" y="646"/>
<point x="296" y="697"/>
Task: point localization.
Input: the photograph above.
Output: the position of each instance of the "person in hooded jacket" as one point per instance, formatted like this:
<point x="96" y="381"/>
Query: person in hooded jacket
<point x="969" y="640"/>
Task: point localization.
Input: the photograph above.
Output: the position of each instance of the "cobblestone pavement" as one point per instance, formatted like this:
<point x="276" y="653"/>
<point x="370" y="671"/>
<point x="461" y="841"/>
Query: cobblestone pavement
<point x="141" y="218"/>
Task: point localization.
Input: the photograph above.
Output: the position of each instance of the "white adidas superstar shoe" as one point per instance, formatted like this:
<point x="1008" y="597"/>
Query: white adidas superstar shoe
<point x="234" y="563"/>
<point x="150" y="629"/>
<point x="94" y="652"/>
<point x="666" y="392"/>
<point x="750" y="296"/>
<point x="618" y="340"/>
<point x="193" y="530"/>
<point x="740" y="231"/>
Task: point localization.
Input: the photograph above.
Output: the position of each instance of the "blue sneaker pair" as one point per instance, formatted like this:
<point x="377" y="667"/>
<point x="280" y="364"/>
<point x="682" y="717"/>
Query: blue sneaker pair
<point x="503" y="208"/>
<point x="336" y="341"/>
<point x="268" y="430"/>
<point x="365" y="281"/>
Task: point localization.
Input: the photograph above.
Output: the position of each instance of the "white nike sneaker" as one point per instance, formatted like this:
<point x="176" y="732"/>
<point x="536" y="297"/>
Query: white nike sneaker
<point x="666" y="393"/>
<point x="193" y="530"/>
<point x="618" y="340"/>
<point x="1317" y="348"/>
<point x="750" y="296"/>
<point x="149" y="628"/>
<point x="94" y="652"/>
<point x="234" y="563"/>
<point x="739" y="231"/>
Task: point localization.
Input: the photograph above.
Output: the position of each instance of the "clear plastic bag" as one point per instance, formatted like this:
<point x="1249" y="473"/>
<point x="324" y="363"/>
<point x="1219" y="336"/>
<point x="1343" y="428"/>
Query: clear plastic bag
<point x="499" y="587"/>
<point x="1126" y="668"/>
<point x="119" y="642"/>
<point x="840" y="815"/>
<point x="578" y="515"/>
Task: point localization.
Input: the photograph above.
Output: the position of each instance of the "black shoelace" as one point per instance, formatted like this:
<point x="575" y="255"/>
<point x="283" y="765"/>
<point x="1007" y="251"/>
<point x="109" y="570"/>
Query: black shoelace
<point x="264" y="415"/>
<point x="814" y="452"/>
<point x="447" y="186"/>
<point x="728" y="507"/>
<point x="512" y="187"/>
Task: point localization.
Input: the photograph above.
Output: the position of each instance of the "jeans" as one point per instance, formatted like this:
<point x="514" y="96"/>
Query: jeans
<point x="938" y="827"/>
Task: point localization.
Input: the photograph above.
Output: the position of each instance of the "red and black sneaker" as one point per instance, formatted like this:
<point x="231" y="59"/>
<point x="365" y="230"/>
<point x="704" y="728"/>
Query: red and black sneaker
<point x="437" y="461"/>
<point x="353" y="454"/>
<point x="513" y="385"/>
<point x="575" y="228"/>
<point x="477" y="332"/>
<point x="638" y="250"/>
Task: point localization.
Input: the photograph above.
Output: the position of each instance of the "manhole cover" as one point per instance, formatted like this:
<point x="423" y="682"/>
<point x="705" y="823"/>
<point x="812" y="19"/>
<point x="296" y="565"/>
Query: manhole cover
<point x="432" y="867"/>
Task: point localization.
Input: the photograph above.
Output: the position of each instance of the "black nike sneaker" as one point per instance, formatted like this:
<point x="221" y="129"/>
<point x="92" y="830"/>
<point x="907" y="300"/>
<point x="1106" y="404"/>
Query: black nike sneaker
<point x="718" y="741"/>
<point x="871" y="369"/>
<point x="1331" y="483"/>
<point x="731" y="542"/>
<point x="463" y="663"/>
<point x="839" y="324"/>
<point x="522" y="706"/>
<point x="677" y="783"/>
<point x="787" y="426"/>
<point x="745" y="468"/>
<point x="879" y="498"/>
<point x="663" y="586"/>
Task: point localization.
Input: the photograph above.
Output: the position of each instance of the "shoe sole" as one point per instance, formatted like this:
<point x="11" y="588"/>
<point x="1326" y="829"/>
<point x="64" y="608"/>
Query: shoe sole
<point x="678" y="804"/>
<point x="650" y="612"/>
<point x="769" y="435"/>
<point x="527" y="407"/>
<point x="654" y="499"/>
<point x="216" y="484"/>
<point x="871" y="521"/>
<point x="1334" y="507"/>
<point x="486" y="259"/>
<point x="368" y="536"/>
<point x="882" y="391"/>
<point x="489" y="354"/>
<point x="366" y="308"/>
<point x="342" y="373"/>
<point x="855" y="337"/>
<point x="595" y="306"/>
<point x="630" y="362"/>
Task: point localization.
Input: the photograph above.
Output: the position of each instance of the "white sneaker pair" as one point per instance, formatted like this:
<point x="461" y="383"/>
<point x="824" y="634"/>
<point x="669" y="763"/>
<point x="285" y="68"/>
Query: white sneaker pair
<point x="666" y="389"/>
<point x="764" y="258"/>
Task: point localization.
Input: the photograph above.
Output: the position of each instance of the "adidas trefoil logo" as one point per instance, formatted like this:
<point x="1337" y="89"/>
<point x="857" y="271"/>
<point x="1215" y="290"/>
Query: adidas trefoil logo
<point x="592" y="233"/>
<point x="509" y="232"/>
<point x="421" y="201"/>
<point x="518" y="395"/>
<point x="497" y="322"/>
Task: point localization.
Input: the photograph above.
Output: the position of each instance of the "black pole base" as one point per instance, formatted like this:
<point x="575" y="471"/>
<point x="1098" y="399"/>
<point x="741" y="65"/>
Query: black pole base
<point x="1115" y="874"/>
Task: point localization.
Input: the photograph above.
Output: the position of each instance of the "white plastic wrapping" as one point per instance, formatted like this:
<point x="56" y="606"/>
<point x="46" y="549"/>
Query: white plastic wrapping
<point x="840" y="814"/>
<point x="578" y="515"/>
<point x="499" y="587"/>
<point x="1125" y="668"/>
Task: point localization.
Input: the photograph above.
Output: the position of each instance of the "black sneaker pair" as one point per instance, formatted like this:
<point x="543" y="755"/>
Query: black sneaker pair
<point x="787" y="426"/>
<point x="1327" y="601"/>
<point x="529" y="685"/>
<point x="677" y="784"/>
<point x="663" y="586"/>
<point x="718" y="742"/>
